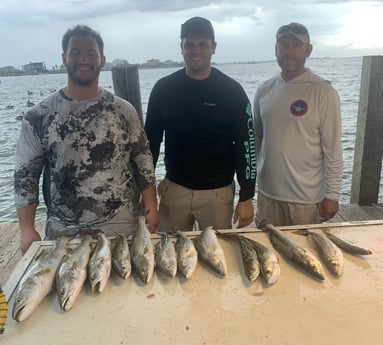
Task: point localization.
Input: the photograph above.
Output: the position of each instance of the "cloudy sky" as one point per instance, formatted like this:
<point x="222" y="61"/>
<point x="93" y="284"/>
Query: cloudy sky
<point x="138" y="30"/>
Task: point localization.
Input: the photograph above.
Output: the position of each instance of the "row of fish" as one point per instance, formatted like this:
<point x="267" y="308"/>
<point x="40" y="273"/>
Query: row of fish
<point x="329" y="246"/>
<point x="70" y="269"/>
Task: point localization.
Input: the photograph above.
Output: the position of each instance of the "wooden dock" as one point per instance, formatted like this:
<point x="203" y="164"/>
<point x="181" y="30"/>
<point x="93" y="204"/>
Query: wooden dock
<point x="10" y="253"/>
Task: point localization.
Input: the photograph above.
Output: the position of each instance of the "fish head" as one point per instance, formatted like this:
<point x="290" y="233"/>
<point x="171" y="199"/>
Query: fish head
<point x="26" y="301"/>
<point x="144" y="267"/>
<point x="271" y="272"/>
<point x="99" y="277"/>
<point x="124" y="268"/>
<point x="218" y="264"/>
<point x="67" y="296"/>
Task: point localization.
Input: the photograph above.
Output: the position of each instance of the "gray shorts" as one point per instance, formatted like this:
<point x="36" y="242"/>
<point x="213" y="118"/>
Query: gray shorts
<point x="281" y="213"/>
<point x="190" y="209"/>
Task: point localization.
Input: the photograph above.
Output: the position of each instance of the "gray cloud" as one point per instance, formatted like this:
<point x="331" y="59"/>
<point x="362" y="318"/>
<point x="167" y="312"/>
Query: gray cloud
<point x="138" y="30"/>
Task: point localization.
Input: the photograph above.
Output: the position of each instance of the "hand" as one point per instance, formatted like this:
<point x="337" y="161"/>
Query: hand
<point x="26" y="239"/>
<point x="244" y="213"/>
<point x="328" y="208"/>
<point x="152" y="220"/>
<point x="149" y="204"/>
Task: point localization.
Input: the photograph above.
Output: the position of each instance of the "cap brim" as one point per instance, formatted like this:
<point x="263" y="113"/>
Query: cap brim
<point x="302" y="38"/>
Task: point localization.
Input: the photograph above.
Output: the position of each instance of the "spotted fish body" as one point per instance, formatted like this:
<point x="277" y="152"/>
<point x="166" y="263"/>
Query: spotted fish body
<point x="210" y="250"/>
<point x="121" y="257"/>
<point x="249" y="255"/>
<point x="165" y="256"/>
<point x="142" y="252"/>
<point x="330" y="254"/>
<point x="187" y="256"/>
<point x="269" y="262"/>
<point x="38" y="281"/>
<point x="347" y="246"/>
<point x="100" y="264"/>
<point x="72" y="272"/>
<point x="290" y="249"/>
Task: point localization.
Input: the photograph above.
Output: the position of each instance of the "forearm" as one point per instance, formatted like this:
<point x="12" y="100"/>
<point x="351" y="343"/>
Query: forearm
<point x="29" y="234"/>
<point x="26" y="217"/>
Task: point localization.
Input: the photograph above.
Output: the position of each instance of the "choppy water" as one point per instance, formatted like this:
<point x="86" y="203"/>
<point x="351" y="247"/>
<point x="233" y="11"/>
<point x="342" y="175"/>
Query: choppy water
<point x="344" y="74"/>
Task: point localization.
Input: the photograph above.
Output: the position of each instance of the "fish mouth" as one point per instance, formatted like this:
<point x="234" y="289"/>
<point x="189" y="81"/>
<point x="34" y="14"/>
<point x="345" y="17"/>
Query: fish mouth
<point x="65" y="304"/>
<point x="17" y="312"/>
<point x="96" y="286"/>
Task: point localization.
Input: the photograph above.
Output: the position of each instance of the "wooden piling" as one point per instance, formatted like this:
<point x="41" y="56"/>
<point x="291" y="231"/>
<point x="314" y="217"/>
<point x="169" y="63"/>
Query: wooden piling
<point x="126" y="85"/>
<point x="369" y="134"/>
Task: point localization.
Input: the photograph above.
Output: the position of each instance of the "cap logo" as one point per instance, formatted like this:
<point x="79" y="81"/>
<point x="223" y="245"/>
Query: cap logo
<point x="298" y="108"/>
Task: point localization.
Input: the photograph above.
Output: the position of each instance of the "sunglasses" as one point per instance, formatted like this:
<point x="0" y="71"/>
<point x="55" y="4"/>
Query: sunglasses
<point x="295" y="28"/>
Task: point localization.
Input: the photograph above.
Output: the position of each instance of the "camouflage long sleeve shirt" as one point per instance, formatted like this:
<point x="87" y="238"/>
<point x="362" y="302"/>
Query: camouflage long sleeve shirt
<point x="93" y="154"/>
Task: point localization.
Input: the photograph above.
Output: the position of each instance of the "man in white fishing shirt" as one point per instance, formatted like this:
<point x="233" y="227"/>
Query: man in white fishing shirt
<point x="298" y="138"/>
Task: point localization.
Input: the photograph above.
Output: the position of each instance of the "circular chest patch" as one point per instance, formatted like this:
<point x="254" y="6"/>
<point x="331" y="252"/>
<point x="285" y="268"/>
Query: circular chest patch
<point x="298" y="108"/>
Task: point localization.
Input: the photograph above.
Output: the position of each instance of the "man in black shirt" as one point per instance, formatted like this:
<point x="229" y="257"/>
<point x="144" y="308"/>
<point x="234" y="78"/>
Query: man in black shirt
<point x="208" y="125"/>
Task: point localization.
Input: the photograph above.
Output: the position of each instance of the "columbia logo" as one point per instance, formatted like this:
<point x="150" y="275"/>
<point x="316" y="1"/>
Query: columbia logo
<point x="209" y="104"/>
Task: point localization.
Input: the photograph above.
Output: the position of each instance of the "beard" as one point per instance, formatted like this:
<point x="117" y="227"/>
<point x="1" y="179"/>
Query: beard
<point x="84" y="82"/>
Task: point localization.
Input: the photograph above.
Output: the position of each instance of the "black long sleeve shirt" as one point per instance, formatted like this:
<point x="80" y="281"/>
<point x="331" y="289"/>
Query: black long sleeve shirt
<point x="208" y="128"/>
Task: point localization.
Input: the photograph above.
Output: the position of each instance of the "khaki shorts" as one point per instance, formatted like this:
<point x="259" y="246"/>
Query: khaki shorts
<point x="190" y="209"/>
<point x="281" y="213"/>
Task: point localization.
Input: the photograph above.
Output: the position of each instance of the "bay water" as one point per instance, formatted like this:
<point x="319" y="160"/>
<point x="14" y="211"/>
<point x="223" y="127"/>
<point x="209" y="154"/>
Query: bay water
<point x="343" y="73"/>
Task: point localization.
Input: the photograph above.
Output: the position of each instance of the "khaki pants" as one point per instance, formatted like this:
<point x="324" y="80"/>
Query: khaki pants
<point x="123" y="223"/>
<point x="281" y="213"/>
<point x="190" y="209"/>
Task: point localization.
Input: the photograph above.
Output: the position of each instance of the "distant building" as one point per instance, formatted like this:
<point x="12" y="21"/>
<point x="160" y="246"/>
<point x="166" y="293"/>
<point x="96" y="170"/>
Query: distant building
<point x="152" y="63"/>
<point x="8" y="70"/>
<point x="155" y="63"/>
<point x="34" y="67"/>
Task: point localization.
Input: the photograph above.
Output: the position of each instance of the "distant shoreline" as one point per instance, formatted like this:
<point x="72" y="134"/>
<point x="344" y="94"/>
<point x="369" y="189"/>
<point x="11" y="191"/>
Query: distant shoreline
<point x="17" y="73"/>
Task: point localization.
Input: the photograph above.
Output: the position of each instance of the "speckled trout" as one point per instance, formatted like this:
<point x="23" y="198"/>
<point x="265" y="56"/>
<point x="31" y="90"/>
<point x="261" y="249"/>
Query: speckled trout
<point x="269" y="262"/>
<point x="72" y="272"/>
<point x="249" y="255"/>
<point x="100" y="263"/>
<point x="165" y="256"/>
<point x="187" y="256"/>
<point x="38" y="281"/>
<point x="330" y="254"/>
<point x="142" y="251"/>
<point x="346" y="245"/>
<point x="290" y="249"/>
<point x="210" y="250"/>
<point x="121" y="257"/>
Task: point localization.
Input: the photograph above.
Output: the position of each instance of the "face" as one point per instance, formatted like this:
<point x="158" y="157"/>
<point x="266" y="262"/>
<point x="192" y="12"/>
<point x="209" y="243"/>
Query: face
<point x="291" y="56"/>
<point x="83" y="60"/>
<point x="197" y="53"/>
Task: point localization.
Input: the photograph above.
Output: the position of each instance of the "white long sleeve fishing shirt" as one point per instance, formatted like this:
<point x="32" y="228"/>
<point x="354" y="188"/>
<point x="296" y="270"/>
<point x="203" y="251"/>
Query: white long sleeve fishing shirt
<point x="298" y="139"/>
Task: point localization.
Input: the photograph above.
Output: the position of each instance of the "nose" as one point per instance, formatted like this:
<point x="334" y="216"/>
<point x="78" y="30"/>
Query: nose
<point x="84" y="58"/>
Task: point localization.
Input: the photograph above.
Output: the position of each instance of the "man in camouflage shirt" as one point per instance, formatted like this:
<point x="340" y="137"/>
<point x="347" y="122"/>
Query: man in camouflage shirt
<point x="91" y="148"/>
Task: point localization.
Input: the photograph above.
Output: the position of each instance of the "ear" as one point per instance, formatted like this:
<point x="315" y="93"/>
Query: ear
<point x="214" y="47"/>
<point x="103" y="60"/>
<point x="63" y="57"/>
<point x="309" y="50"/>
